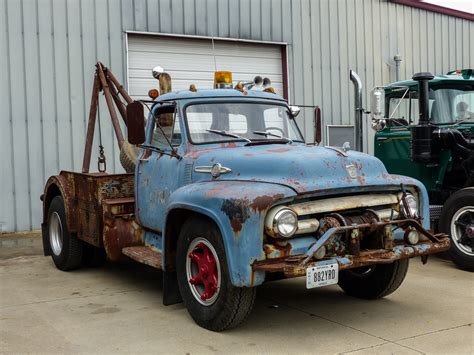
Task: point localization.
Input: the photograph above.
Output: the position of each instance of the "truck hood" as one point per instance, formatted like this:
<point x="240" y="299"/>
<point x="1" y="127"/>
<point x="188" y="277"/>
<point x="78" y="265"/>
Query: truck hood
<point x="303" y="168"/>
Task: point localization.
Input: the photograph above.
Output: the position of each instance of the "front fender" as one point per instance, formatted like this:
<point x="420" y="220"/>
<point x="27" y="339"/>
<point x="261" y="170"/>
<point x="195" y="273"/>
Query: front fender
<point x="424" y="202"/>
<point x="238" y="208"/>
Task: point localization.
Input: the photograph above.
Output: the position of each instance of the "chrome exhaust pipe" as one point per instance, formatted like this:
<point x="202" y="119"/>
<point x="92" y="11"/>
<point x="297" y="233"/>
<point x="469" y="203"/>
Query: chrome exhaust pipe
<point x="358" y="109"/>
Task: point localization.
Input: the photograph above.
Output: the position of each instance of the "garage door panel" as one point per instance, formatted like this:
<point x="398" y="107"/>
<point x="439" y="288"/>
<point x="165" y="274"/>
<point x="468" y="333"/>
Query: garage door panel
<point x="190" y="60"/>
<point x="204" y="63"/>
<point x="191" y="46"/>
<point x="145" y="74"/>
<point x="141" y="86"/>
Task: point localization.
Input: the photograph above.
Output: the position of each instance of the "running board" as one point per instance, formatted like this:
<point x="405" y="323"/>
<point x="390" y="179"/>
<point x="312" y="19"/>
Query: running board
<point x="144" y="255"/>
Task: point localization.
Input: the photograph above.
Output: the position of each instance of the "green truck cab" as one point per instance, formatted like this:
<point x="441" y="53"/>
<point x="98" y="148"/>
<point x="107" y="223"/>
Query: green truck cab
<point x="425" y="130"/>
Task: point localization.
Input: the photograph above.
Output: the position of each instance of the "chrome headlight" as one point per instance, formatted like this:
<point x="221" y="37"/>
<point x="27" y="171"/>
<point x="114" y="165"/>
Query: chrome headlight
<point x="285" y="223"/>
<point x="412" y="207"/>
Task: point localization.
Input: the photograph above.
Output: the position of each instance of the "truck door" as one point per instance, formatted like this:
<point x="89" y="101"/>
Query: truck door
<point x="159" y="169"/>
<point x="392" y="144"/>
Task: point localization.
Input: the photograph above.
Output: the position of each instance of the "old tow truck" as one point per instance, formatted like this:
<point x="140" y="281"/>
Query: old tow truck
<point x="226" y="194"/>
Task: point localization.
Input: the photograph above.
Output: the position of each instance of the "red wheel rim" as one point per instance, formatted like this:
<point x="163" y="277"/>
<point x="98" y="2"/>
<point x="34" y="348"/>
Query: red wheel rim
<point x="203" y="271"/>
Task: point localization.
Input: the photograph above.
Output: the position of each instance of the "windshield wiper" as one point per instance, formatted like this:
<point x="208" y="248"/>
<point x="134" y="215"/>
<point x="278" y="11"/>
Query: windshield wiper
<point x="266" y="134"/>
<point x="228" y="134"/>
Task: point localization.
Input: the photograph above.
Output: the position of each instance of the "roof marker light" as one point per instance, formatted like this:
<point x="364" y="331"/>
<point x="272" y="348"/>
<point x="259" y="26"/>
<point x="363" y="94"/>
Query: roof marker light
<point x="223" y="80"/>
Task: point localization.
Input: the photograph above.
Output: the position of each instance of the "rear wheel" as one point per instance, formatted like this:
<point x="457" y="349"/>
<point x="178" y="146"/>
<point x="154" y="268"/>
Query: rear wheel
<point x="374" y="281"/>
<point x="204" y="281"/>
<point x="457" y="220"/>
<point x="66" y="249"/>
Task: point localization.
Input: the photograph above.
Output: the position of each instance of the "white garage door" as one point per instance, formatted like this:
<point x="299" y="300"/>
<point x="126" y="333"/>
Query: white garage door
<point x="190" y="60"/>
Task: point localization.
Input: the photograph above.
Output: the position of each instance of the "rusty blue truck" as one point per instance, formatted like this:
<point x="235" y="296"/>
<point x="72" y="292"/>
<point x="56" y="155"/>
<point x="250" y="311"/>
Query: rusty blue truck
<point x="223" y="194"/>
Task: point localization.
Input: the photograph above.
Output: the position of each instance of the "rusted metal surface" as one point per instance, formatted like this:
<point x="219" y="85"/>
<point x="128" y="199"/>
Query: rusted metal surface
<point x="120" y="228"/>
<point x="344" y="203"/>
<point x="144" y="255"/>
<point x="64" y="185"/>
<point x="119" y="87"/>
<point x="292" y="266"/>
<point x="403" y="223"/>
<point x="83" y="195"/>
<point x="105" y="81"/>
<point x="91" y="125"/>
<point x="110" y="104"/>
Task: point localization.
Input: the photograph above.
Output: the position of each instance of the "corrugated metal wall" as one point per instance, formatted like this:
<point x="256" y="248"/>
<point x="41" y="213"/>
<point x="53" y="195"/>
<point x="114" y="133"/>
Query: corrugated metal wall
<point x="48" y="49"/>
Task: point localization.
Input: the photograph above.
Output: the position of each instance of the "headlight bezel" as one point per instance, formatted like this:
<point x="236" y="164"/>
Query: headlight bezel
<point x="277" y="221"/>
<point x="413" y="205"/>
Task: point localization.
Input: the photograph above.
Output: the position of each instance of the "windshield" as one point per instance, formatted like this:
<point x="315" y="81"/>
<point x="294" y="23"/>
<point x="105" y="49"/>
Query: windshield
<point x="446" y="105"/>
<point x="220" y="122"/>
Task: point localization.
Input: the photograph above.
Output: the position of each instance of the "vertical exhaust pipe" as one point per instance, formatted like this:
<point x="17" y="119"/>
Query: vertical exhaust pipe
<point x="358" y="109"/>
<point x="421" y="134"/>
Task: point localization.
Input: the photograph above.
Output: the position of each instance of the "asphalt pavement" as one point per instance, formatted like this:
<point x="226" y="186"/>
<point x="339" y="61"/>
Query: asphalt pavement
<point x="118" y="308"/>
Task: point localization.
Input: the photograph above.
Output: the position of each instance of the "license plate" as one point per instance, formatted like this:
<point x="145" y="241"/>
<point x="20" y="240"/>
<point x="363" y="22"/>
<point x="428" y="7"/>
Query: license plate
<point x="322" y="274"/>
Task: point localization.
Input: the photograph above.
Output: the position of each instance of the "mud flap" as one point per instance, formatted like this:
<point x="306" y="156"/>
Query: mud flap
<point x="44" y="235"/>
<point x="171" y="294"/>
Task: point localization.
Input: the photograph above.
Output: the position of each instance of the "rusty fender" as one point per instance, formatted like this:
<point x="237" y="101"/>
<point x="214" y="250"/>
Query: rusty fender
<point x="120" y="228"/>
<point x="238" y="208"/>
<point x="62" y="184"/>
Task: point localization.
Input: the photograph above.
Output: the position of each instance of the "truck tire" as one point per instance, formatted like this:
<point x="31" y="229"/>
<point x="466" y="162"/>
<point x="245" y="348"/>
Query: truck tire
<point x="128" y="156"/>
<point x="374" y="281"/>
<point x="457" y="220"/>
<point x="204" y="281"/>
<point x="66" y="249"/>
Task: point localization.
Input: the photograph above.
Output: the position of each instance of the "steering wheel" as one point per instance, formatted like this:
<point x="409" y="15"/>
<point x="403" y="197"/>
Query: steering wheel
<point x="277" y="129"/>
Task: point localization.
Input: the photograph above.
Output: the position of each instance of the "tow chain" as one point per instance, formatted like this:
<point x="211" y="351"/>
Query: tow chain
<point x="101" y="162"/>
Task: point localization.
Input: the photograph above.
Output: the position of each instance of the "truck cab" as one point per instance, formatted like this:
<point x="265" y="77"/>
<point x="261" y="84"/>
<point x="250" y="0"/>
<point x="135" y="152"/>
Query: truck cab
<point x="442" y="156"/>
<point x="226" y="195"/>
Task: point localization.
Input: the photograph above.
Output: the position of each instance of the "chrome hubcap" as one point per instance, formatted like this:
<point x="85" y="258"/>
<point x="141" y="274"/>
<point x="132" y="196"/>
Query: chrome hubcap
<point x="462" y="230"/>
<point x="203" y="271"/>
<point x="55" y="233"/>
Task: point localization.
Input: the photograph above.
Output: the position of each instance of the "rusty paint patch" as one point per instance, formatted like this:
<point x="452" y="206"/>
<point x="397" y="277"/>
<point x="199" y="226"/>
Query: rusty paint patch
<point x="261" y="203"/>
<point x="237" y="211"/>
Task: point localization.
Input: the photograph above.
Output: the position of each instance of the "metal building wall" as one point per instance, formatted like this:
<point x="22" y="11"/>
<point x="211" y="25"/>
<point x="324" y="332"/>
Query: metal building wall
<point x="48" y="49"/>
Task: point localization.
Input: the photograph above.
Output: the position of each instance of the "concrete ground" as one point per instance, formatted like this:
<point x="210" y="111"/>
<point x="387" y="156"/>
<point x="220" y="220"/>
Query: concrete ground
<point x="117" y="308"/>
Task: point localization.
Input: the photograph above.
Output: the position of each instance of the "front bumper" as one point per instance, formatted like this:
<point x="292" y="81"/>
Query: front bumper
<point x="296" y="265"/>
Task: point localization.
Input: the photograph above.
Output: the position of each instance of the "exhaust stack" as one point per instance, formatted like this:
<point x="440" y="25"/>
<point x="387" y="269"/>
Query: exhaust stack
<point x="358" y="109"/>
<point x="421" y="134"/>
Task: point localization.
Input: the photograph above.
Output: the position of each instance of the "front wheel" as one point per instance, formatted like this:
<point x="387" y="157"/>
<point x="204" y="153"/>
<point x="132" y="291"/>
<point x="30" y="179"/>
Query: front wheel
<point x="374" y="281"/>
<point x="204" y="281"/>
<point x="66" y="249"/>
<point x="457" y="220"/>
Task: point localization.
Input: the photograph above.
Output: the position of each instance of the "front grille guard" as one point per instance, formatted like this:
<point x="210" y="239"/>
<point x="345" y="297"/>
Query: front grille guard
<point x="296" y="265"/>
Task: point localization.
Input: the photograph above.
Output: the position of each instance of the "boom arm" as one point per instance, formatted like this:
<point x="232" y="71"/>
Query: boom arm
<point x="105" y="81"/>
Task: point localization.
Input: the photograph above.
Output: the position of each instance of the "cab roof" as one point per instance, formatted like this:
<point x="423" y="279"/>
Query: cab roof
<point x="218" y="93"/>
<point x="466" y="75"/>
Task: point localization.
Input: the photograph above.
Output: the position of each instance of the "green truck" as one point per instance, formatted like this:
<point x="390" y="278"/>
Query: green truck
<point x="425" y="130"/>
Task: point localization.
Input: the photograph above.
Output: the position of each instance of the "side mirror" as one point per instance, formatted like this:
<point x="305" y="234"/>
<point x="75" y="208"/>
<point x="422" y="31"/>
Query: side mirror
<point x="295" y="110"/>
<point x="377" y="101"/>
<point x="135" y="123"/>
<point x="317" y="126"/>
